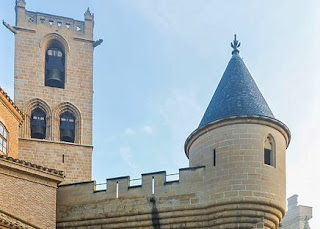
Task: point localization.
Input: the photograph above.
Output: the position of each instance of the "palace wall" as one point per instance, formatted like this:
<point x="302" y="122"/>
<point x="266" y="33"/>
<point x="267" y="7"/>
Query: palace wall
<point x="28" y="192"/>
<point x="73" y="159"/>
<point x="239" y="190"/>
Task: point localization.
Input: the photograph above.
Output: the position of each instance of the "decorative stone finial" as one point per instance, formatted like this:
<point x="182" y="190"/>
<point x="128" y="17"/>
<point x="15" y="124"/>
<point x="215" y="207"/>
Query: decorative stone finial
<point x="21" y="3"/>
<point x="306" y="224"/>
<point x="88" y="15"/>
<point x="235" y="45"/>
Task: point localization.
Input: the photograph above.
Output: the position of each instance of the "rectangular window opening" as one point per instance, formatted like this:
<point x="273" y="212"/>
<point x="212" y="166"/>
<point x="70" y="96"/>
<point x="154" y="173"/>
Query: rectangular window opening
<point x="267" y="156"/>
<point x="214" y="157"/>
<point x="62" y="158"/>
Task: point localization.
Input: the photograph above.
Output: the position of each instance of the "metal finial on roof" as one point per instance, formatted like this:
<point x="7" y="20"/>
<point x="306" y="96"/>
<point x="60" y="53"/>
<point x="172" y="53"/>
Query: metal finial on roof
<point x="235" y="45"/>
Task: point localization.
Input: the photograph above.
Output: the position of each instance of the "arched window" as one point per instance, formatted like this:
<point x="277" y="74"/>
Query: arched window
<point x="3" y="139"/>
<point x="67" y="127"/>
<point x="38" y="124"/>
<point x="68" y="124"/>
<point x="269" y="151"/>
<point x="55" y="65"/>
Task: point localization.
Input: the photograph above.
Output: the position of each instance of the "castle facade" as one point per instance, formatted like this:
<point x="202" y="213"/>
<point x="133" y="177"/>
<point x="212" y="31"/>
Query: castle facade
<point x="237" y="156"/>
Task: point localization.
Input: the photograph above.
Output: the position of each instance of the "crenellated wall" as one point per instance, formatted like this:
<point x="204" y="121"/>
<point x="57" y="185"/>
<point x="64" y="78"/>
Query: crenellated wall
<point x="81" y="201"/>
<point x="239" y="191"/>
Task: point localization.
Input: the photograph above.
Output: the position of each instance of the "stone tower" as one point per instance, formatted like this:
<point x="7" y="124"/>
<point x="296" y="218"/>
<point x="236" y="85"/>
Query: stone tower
<point x="243" y="148"/>
<point x="54" y="87"/>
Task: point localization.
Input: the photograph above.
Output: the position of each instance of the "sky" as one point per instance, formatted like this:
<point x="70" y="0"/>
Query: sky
<point x="161" y="61"/>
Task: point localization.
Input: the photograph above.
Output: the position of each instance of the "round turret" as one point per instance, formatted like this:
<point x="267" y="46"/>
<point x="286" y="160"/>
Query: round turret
<point x="243" y="148"/>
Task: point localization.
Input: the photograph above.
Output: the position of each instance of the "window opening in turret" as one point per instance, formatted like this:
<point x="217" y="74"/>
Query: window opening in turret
<point x="55" y="66"/>
<point x="38" y="124"/>
<point x="67" y="127"/>
<point x="214" y="157"/>
<point x="269" y="151"/>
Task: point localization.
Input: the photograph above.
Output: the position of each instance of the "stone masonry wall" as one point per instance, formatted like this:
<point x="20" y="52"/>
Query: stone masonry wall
<point x="28" y="194"/>
<point x="240" y="171"/>
<point x="74" y="160"/>
<point x="10" y="121"/>
<point x="30" y="48"/>
<point x="35" y="31"/>
<point x="240" y="191"/>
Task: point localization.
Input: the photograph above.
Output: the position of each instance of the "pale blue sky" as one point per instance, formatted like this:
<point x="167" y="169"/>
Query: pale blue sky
<point x="161" y="61"/>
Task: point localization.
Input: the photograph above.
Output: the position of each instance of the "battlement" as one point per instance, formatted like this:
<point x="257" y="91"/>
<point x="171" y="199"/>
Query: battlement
<point x="29" y="20"/>
<point x="55" y="22"/>
<point x="154" y="183"/>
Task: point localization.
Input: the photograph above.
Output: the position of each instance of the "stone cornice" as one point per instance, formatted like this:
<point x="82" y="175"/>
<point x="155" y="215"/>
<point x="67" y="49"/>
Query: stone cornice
<point x="9" y="221"/>
<point x="274" y="123"/>
<point x="11" y="105"/>
<point x="55" y="142"/>
<point x="33" y="169"/>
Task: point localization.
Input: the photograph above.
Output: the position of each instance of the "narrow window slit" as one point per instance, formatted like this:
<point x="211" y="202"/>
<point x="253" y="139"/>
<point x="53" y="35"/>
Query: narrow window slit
<point x="214" y="157"/>
<point x="267" y="156"/>
<point x="269" y="151"/>
<point x="117" y="190"/>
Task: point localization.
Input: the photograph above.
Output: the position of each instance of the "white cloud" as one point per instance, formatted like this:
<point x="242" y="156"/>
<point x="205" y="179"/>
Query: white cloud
<point x="147" y="129"/>
<point x="126" y="155"/>
<point x="129" y="131"/>
<point x="181" y="112"/>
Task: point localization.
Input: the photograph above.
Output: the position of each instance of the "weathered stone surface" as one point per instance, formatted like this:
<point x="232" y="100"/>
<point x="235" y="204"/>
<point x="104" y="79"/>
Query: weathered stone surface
<point x="240" y="191"/>
<point x="27" y="193"/>
<point x="35" y="32"/>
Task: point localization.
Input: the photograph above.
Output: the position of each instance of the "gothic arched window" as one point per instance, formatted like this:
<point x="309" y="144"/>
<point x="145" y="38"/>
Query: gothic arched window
<point x="269" y="151"/>
<point x="67" y="127"/>
<point x="3" y="139"/>
<point x="38" y="124"/>
<point x="55" y="65"/>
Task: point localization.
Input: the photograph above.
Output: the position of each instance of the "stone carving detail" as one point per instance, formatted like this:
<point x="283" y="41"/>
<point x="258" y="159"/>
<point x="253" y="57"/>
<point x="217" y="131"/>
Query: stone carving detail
<point x="79" y="28"/>
<point x="32" y="18"/>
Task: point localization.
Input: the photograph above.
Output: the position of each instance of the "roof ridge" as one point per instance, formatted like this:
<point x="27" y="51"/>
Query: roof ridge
<point x="11" y="101"/>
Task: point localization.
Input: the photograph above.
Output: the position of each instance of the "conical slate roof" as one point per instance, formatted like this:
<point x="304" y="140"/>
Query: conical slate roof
<point x="237" y="94"/>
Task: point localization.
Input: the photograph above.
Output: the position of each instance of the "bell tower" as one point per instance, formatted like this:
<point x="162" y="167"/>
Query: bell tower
<point x="54" y="87"/>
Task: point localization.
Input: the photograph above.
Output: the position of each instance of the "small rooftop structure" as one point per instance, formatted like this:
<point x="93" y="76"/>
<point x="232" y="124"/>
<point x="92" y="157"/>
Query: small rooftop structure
<point x="297" y="216"/>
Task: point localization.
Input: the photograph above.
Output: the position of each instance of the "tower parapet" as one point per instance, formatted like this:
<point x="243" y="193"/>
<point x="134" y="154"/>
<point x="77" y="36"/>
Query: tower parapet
<point x="33" y="21"/>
